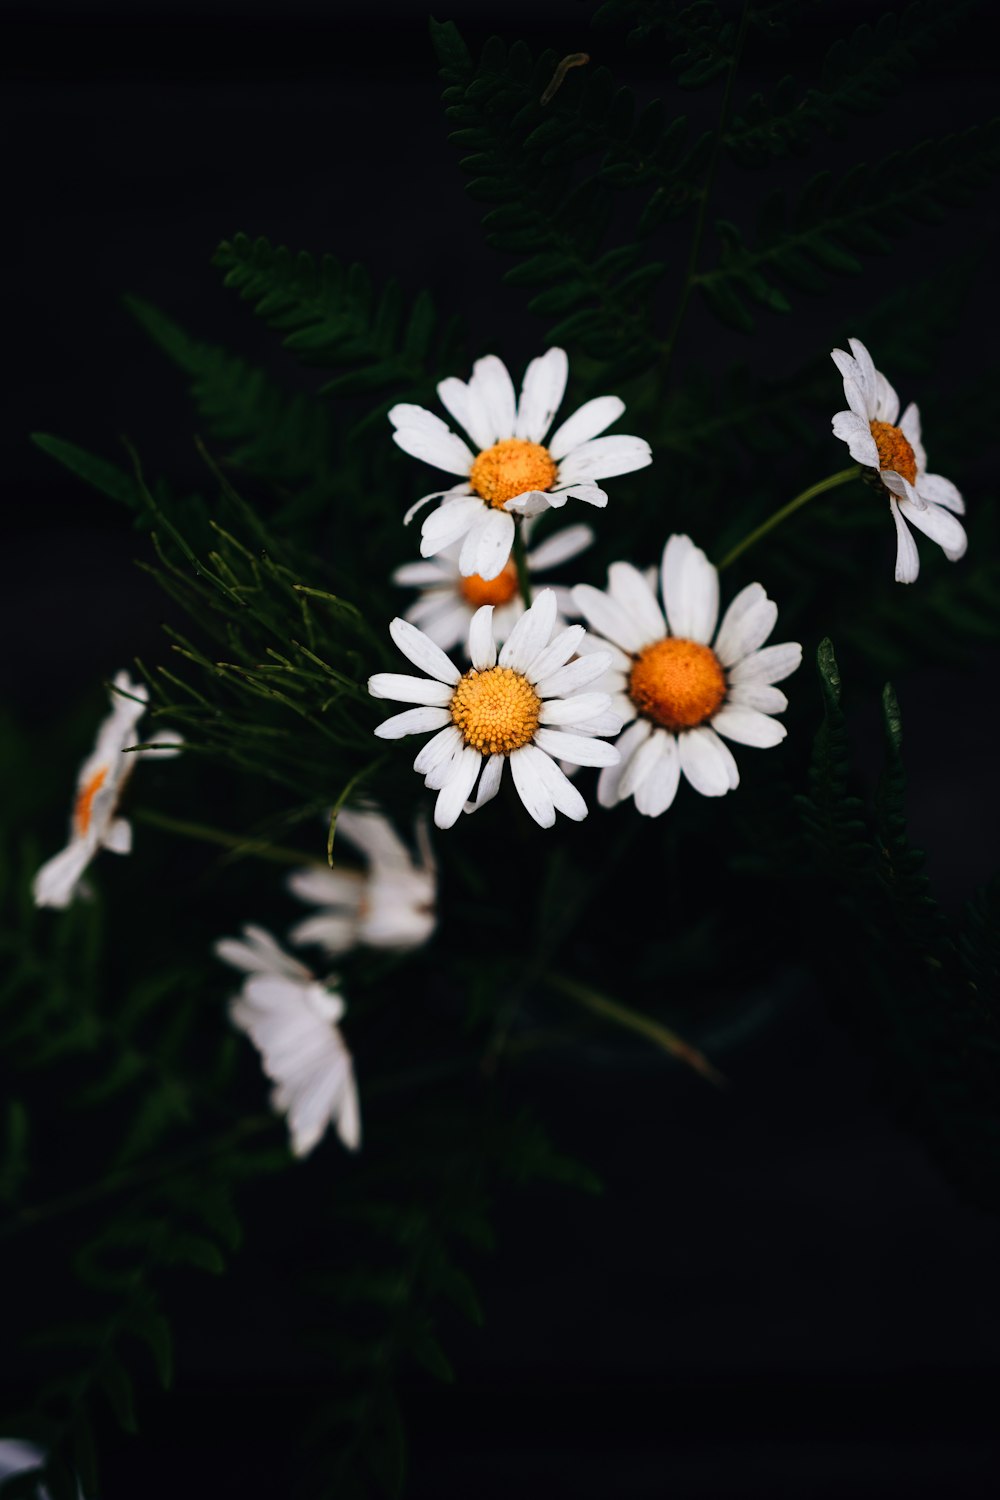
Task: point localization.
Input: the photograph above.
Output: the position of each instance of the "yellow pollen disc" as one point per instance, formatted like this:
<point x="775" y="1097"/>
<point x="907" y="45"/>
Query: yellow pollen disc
<point x="498" y="590"/>
<point x="511" y="467"/>
<point x="677" y="683"/>
<point x="85" y="799"/>
<point x="496" y="710"/>
<point x="894" y="452"/>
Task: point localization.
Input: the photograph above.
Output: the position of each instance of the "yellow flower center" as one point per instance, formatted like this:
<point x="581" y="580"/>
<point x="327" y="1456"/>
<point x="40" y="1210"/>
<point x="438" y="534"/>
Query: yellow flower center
<point x="85" y="799"/>
<point x="510" y="468"/>
<point x="498" y="590"/>
<point x="894" y="452"/>
<point x="496" y="710"/>
<point x="677" y="683"/>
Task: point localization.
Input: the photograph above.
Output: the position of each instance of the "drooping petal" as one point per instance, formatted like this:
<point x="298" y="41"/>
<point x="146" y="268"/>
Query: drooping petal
<point x="857" y="434"/>
<point x="489" y="782"/>
<point x="907" y="557"/>
<point x="455" y="793"/>
<point x="609" y="781"/>
<point x="590" y="494"/>
<point x="449" y="522"/>
<point x="940" y="525"/>
<point x="487" y="547"/>
<point x="587" y="422"/>
<point x="940" y="491"/>
<point x="531" y="789"/>
<point x="565" y="797"/>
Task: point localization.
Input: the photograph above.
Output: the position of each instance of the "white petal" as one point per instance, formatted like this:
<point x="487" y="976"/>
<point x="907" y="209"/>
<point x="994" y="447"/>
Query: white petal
<point x="576" y="675"/>
<point x="724" y="753"/>
<point x="866" y="372"/>
<point x="482" y="647"/>
<point x="489" y="782"/>
<point x="641" y="764"/>
<point x="531" y="789"/>
<point x="578" y="749"/>
<point x="541" y="393"/>
<point x="423" y="435"/>
<point x="556" y="653"/>
<point x="886" y="400"/>
<point x="590" y="494"/>
<point x="56" y="881"/>
<point x="325" y="887"/>
<point x="559" y="548"/>
<point x="586" y="422"/>
<point x="760" y="695"/>
<point x="441" y="748"/>
<point x="531" y="633"/>
<point x="857" y="434"/>
<point x="532" y="503"/>
<point x="748" y="727"/>
<point x="608" y="618"/>
<point x="705" y="768"/>
<point x="487" y="546"/>
<point x="909" y="426"/>
<point x="658" y="790"/>
<point x="422" y="575"/>
<point x="627" y="744"/>
<point x="860" y="397"/>
<point x="746" y="624"/>
<point x="772" y="664"/>
<point x="628" y="587"/>
<point x="605" y="457"/>
<point x="605" y="724"/>
<point x="413" y="721"/>
<point x="940" y="491"/>
<point x="565" y="797"/>
<point x="578" y="709"/>
<point x="422" y="652"/>
<point x="335" y="935"/>
<point x="448" y="627"/>
<point x="449" y="522"/>
<point x="907" y="557"/>
<point x="447" y="497"/>
<point x="466" y="405"/>
<point x="400" y="688"/>
<point x="690" y="587"/>
<point x="118" y="836"/>
<point x="454" y="794"/>
<point x="491" y="381"/>
<point x="940" y="525"/>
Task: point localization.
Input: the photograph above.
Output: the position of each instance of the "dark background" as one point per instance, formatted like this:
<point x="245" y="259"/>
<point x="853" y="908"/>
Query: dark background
<point x="777" y="1295"/>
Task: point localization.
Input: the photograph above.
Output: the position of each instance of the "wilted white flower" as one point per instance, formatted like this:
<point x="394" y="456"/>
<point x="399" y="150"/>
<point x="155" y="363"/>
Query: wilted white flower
<point x="99" y="786"/>
<point x="680" y="692"/>
<point x="390" y="906"/>
<point x="291" y="1018"/>
<point x="512" y="469"/>
<point x="928" y="501"/>
<point x="448" y="598"/>
<point x="525" y="706"/>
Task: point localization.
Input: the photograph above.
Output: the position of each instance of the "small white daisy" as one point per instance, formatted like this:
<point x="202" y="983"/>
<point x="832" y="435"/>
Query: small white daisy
<point x="291" y="1018"/>
<point x="391" y="906"/>
<point x="681" y="693"/>
<point x="512" y="469"/>
<point x="449" y="598"/>
<point x="525" y="706"/>
<point x="928" y="501"/>
<point x="99" y="786"/>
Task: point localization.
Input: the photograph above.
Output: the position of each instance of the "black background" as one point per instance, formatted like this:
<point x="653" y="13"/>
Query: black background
<point x="777" y="1294"/>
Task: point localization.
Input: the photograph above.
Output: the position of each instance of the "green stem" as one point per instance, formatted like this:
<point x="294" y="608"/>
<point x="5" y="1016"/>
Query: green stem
<point x="633" y="1020"/>
<point x="237" y="841"/>
<point x="521" y="563"/>
<point x="830" y="483"/>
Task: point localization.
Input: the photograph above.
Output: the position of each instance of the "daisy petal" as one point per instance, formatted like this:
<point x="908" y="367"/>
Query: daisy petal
<point x="118" y="837"/>
<point x="590" y="494"/>
<point x="704" y="767"/>
<point x="604" y="457"/>
<point x="746" y="624"/>
<point x="577" y="709"/>
<point x="441" y="748"/>
<point x="565" y="797"/>
<point x="454" y="794"/>
<point x="457" y="491"/>
<point x="418" y="575"/>
<point x="413" y="721"/>
<point x="557" y="653"/>
<point x="559" y="548"/>
<point x="657" y="790"/>
<point x="578" y="749"/>
<point x="641" y="764"/>
<point x="627" y="744"/>
<point x="907" y="557"/>
<point x="857" y="434"/>
<point x="940" y="525"/>
<point x="760" y="695"/>
<point x="423" y="435"/>
<point x="570" y="679"/>
<point x="531" y="788"/>
<point x="494" y="539"/>
<point x="886" y="402"/>
<point x="56" y="882"/>
<point x="586" y="422"/>
<point x="541" y="393"/>
<point x="449" y="522"/>
<point x="607" y="617"/>
<point x="690" y="590"/>
<point x="492" y="383"/>
<point x="466" y="405"/>
<point x="403" y="689"/>
<point x="531" y="633"/>
<point x="629" y="588"/>
<point x="489" y="782"/>
<point x="724" y="753"/>
<point x="748" y="727"/>
<point x="772" y="664"/>
<point x="533" y="503"/>
<point x="909" y="426"/>
<point x="482" y="647"/>
<point x="940" y="491"/>
<point x="422" y="652"/>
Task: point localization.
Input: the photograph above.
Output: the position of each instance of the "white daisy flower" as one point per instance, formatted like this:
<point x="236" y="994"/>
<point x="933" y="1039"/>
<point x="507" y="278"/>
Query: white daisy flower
<point x="19" y="1457"/>
<point x="391" y="906"/>
<point x="524" y="706"/>
<point x="928" y="501"/>
<point x="510" y="468"/>
<point x="291" y="1018"/>
<point x="99" y="786"/>
<point x="680" y="692"/>
<point x="449" y="598"/>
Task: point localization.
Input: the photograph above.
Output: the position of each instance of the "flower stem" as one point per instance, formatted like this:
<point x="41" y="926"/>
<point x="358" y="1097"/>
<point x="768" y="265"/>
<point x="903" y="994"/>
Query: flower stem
<point x="633" y="1020"/>
<point x="830" y="483"/>
<point x="521" y="563"/>
<point x="238" y="842"/>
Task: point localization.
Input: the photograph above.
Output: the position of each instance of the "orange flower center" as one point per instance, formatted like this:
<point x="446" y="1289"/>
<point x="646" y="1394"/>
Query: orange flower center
<point x="496" y="710"/>
<point x="498" y="590"/>
<point x="677" y="683"/>
<point x="510" y="468"/>
<point x="85" y="800"/>
<point x="894" y="452"/>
